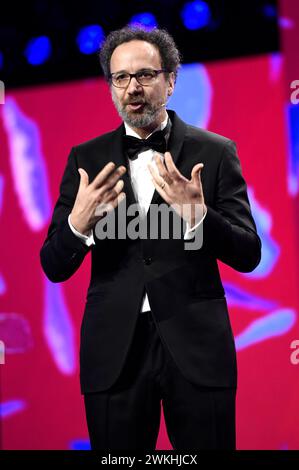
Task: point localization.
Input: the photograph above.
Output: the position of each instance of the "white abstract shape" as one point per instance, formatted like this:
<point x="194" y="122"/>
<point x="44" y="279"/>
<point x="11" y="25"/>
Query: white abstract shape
<point x="27" y="164"/>
<point x="275" y="324"/>
<point x="270" y="249"/>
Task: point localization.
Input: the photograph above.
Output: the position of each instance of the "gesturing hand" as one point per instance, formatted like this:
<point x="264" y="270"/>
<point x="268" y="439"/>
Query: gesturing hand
<point x="185" y="196"/>
<point x="102" y="194"/>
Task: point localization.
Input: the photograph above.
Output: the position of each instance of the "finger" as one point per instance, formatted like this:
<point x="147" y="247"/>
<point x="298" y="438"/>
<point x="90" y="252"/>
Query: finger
<point x="114" y="192"/>
<point x="195" y="174"/>
<point x="162" y="169"/>
<point x="105" y="189"/>
<point x="121" y="196"/>
<point x="111" y="180"/>
<point x="161" y="191"/>
<point x="105" y="207"/>
<point x="171" y="168"/>
<point x="102" y="176"/>
<point x="155" y="175"/>
<point x="84" y="180"/>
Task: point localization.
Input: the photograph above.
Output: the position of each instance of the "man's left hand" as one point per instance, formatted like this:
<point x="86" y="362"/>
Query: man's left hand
<point x="185" y="196"/>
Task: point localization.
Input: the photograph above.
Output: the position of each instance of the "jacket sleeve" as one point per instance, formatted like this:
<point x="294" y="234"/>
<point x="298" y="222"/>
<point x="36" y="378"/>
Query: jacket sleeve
<point x="229" y="230"/>
<point x="63" y="252"/>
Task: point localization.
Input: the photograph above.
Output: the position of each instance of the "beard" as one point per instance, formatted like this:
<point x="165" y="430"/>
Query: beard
<point x="139" y="118"/>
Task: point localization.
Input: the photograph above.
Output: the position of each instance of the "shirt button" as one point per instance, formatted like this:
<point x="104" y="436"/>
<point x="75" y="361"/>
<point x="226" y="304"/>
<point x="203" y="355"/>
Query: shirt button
<point x="148" y="260"/>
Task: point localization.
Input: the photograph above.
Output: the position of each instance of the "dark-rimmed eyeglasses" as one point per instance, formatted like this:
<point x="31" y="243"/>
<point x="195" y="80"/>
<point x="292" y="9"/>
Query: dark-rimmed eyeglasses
<point x="144" y="77"/>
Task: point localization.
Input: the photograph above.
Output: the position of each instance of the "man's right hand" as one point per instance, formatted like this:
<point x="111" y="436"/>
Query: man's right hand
<point x="104" y="191"/>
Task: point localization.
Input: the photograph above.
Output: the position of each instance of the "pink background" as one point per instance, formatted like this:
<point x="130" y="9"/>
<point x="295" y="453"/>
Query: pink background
<point x="247" y="104"/>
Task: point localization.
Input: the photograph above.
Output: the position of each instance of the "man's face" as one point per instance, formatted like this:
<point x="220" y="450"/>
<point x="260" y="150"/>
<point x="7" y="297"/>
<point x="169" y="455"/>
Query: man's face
<point x="139" y="105"/>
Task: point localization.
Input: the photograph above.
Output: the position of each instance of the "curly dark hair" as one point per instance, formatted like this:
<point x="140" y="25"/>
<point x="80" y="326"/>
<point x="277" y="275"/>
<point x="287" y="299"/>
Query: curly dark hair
<point x="164" y="42"/>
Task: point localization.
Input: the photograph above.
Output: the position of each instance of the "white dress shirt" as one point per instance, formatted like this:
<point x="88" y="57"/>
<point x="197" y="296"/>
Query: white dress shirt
<point x="143" y="188"/>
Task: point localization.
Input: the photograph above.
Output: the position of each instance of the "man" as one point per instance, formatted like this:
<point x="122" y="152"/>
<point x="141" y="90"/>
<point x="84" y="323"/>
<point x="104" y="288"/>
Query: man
<point x="155" y="325"/>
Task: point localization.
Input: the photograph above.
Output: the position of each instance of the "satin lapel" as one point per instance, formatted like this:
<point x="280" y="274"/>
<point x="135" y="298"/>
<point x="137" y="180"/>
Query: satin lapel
<point x="175" y="144"/>
<point x="117" y="155"/>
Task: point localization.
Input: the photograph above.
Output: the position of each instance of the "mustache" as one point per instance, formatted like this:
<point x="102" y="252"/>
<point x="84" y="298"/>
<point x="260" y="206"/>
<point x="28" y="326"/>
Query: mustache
<point x="135" y="102"/>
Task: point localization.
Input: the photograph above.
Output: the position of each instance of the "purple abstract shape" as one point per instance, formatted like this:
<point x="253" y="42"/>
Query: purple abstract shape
<point x="275" y="324"/>
<point x="270" y="249"/>
<point x="284" y="447"/>
<point x="2" y="285"/>
<point x="1" y="192"/>
<point x="193" y="94"/>
<point x="275" y="63"/>
<point x="286" y="23"/>
<point x="237" y="297"/>
<point x="58" y="328"/>
<point x="11" y="407"/>
<point x="28" y="165"/>
<point x="15" y="332"/>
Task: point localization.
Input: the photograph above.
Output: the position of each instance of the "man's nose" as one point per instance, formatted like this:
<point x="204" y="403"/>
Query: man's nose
<point x="134" y="86"/>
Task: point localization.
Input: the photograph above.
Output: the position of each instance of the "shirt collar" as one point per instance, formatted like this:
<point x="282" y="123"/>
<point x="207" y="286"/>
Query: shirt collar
<point x="130" y="131"/>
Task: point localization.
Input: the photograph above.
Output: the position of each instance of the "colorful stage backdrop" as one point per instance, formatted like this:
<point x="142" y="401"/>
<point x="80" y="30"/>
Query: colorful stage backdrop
<point x="41" y="406"/>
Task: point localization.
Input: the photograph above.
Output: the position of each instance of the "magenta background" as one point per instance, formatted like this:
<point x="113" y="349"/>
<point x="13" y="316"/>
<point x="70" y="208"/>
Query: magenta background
<point x="248" y="107"/>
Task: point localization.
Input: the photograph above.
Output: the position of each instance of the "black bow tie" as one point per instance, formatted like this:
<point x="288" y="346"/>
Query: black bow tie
<point x="133" y="146"/>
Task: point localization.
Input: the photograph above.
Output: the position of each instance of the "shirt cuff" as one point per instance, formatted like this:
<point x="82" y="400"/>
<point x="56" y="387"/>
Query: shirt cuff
<point x="190" y="232"/>
<point x="87" y="239"/>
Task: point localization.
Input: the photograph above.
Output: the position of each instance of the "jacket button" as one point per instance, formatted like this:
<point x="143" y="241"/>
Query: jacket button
<point x="147" y="260"/>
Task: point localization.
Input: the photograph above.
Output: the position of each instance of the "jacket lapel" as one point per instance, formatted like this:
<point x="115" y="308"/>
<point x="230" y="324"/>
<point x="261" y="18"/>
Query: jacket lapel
<point x="175" y="144"/>
<point x="117" y="155"/>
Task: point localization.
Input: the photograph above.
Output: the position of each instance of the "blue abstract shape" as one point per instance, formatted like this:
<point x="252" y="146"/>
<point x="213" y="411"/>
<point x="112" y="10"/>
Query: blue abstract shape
<point x="293" y="151"/>
<point x="146" y="20"/>
<point x="11" y="407"/>
<point x="269" y="326"/>
<point x="196" y="14"/>
<point x="270" y="11"/>
<point x="28" y="165"/>
<point x="38" y="50"/>
<point x="237" y="297"/>
<point x="80" y="444"/>
<point x="58" y="328"/>
<point x="192" y="97"/>
<point x="90" y="38"/>
<point x="270" y="249"/>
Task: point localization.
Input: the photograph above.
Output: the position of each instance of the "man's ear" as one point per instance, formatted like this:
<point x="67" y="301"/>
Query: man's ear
<point x="171" y="81"/>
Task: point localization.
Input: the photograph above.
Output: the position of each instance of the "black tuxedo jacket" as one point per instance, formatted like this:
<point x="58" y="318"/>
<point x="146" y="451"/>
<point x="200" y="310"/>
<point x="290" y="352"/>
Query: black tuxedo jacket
<point x="184" y="288"/>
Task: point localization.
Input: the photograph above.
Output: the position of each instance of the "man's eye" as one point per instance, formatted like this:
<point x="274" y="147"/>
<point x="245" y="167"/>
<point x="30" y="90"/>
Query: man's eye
<point x="146" y="74"/>
<point x="120" y="77"/>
